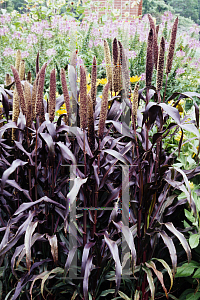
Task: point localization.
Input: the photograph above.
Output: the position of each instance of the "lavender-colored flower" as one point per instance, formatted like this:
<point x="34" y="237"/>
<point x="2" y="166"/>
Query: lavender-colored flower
<point x="8" y="51"/>
<point x="132" y="54"/>
<point x="64" y="26"/>
<point x="195" y="29"/>
<point x="5" y="19"/>
<point x="37" y="27"/>
<point x="79" y="61"/>
<point x="31" y="39"/>
<point x="143" y="77"/>
<point x="4" y="30"/>
<point x="180" y="53"/>
<point x="47" y="34"/>
<point x="179" y="71"/>
<point x="55" y="21"/>
<point x="24" y="18"/>
<point x="16" y="35"/>
<point x="90" y="44"/>
<point x="24" y="54"/>
<point x="167" y="16"/>
<point x="51" y="52"/>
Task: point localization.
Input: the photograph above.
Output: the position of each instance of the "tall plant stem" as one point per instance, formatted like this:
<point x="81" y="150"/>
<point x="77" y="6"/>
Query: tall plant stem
<point x="147" y="130"/>
<point x="139" y="211"/>
<point x="96" y="193"/>
<point x="165" y="89"/>
<point x="85" y="200"/>
<point x="136" y="142"/>
<point x="36" y="163"/>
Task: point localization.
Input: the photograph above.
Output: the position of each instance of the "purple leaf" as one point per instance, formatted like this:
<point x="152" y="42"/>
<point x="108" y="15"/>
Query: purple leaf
<point x="86" y="251"/>
<point x="172" y="250"/>
<point x="15" y="164"/>
<point x="88" y="268"/>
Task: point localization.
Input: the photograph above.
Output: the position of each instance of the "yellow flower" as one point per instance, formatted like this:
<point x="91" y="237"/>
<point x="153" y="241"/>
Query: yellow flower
<point x="88" y="78"/>
<point x="103" y="81"/>
<point x="57" y="94"/>
<point x="191" y="185"/>
<point x="135" y="79"/>
<point x="88" y="88"/>
<point x="62" y="110"/>
<point x="178" y="136"/>
<point x="170" y="102"/>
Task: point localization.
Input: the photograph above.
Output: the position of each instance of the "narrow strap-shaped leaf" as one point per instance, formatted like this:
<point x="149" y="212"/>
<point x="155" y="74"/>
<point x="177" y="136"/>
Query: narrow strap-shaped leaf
<point x="46" y="276"/>
<point x="181" y="238"/>
<point x="88" y="268"/>
<point x="27" y="242"/>
<point x="115" y="254"/>
<point x="78" y="182"/>
<point x="167" y="267"/>
<point x="150" y="281"/>
<point x="152" y="265"/>
<point x="69" y="259"/>
<point x="124" y="296"/>
<point x="129" y="239"/>
<point x="172" y="250"/>
<point x="16" y="163"/>
<point x="86" y="251"/>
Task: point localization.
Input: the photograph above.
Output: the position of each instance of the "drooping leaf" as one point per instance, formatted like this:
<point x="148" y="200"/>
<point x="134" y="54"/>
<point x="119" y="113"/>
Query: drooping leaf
<point x="150" y="281"/>
<point x="46" y="276"/>
<point x="15" y="164"/>
<point x="115" y="254"/>
<point x="106" y="292"/>
<point x="86" y="251"/>
<point x="123" y="296"/>
<point x="27" y="242"/>
<point x="159" y="274"/>
<point x="129" y="239"/>
<point x="69" y="259"/>
<point x="53" y="241"/>
<point x="66" y="153"/>
<point x="40" y="276"/>
<point x="181" y="238"/>
<point x="172" y="250"/>
<point x="49" y="141"/>
<point x="172" y="112"/>
<point x="116" y="154"/>
<point x="88" y="268"/>
<point x="78" y="182"/>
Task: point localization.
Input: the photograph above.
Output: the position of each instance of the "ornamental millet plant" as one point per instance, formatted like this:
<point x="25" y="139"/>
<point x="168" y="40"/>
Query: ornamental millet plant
<point x="60" y="166"/>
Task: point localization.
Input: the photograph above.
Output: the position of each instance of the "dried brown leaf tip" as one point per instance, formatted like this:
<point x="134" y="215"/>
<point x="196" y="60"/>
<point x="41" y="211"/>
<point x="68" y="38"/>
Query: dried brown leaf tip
<point x="19" y="89"/>
<point x="107" y="57"/>
<point x="93" y="90"/>
<point x="65" y="94"/>
<point x="135" y="102"/>
<point x="103" y="112"/>
<point x="91" y="134"/>
<point x="161" y="59"/>
<point x="27" y="94"/>
<point x="83" y="98"/>
<point x="149" y="59"/>
<point x="18" y="60"/>
<point x="52" y="95"/>
<point x="22" y="70"/>
<point x="39" y="95"/>
<point x="171" y="46"/>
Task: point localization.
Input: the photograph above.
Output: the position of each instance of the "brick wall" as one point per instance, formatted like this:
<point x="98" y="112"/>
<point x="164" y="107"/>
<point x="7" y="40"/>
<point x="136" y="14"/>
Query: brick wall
<point x="127" y="8"/>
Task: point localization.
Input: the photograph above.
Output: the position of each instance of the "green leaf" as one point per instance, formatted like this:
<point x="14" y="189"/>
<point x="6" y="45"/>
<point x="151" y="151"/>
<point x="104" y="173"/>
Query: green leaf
<point x="196" y="274"/>
<point x="124" y="296"/>
<point x="46" y="276"/>
<point x="189" y="216"/>
<point x="185" y="270"/>
<point x="194" y="240"/>
<point x="106" y="292"/>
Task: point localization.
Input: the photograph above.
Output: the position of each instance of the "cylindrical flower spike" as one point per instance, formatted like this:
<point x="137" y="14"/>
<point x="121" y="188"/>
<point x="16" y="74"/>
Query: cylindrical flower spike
<point x="39" y="95"/>
<point x="65" y="94"/>
<point x="171" y="46"/>
<point x="157" y="29"/>
<point x="22" y="70"/>
<point x="52" y="95"/>
<point x="83" y="98"/>
<point x="34" y="93"/>
<point x="27" y="94"/>
<point x="93" y="82"/>
<point x="15" y="113"/>
<point x="91" y="135"/>
<point x="107" y="57"/>
<point x="19" y="90"/>
<point x="155" y="42"/>
<point x="18" y="60"/>
<point x="149" y="59"/>
<point x="29" y="77"/>
<point x="135" y="102"/>
<point x="115" y="69"/>
<point x="161" y="59"/>
<point x="8" y="79"/>
<point x="104" y="110"/>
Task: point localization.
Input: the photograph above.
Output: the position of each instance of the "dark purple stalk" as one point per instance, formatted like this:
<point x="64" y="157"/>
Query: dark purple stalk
<point x="165" y="89"/>
<point x="85" y="200"/>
